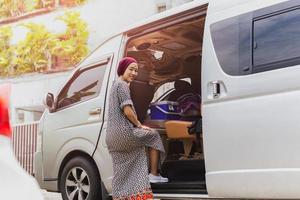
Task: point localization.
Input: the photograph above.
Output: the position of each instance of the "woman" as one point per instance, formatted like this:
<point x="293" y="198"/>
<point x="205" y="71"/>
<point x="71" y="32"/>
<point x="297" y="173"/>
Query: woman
<point x="127" y="138"/>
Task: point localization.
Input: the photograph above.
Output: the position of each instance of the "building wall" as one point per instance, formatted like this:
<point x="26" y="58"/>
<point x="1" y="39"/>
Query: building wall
<point x="170" y="3"/>
<point x="28" y="92"/>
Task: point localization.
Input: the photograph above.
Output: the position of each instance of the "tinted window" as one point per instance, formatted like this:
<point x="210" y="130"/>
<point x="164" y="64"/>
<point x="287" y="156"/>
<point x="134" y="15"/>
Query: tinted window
<point x="226" y="45"/>
<point x="276" y="41"/>
<point x="232" y="43"/>
<point x="85" y="84"/>
<point x="262" y="40"/>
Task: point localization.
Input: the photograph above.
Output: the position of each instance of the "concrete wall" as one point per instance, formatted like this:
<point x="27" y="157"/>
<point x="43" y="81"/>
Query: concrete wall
<point x="171" y="3"/>
<point x="28" y="92"/>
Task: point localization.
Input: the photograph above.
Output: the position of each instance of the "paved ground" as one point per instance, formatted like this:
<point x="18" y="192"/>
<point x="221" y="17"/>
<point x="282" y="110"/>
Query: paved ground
<point x="57" y="196"/>
<point x="54" y="195"/>
<point x="51" y="195"/>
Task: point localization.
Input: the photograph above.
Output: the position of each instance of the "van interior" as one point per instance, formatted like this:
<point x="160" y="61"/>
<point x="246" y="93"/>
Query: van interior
<point x="167" y="97"/>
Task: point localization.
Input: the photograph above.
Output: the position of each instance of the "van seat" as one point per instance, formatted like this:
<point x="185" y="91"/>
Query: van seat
<point x="177" y="129"/>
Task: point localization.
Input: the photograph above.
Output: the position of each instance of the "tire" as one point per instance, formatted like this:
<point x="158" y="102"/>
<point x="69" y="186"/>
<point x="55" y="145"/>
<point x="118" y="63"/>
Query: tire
<point x="80" y="180"/>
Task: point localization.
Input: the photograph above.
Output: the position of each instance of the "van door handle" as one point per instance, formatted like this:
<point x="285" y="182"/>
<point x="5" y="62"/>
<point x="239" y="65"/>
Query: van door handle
<point x="216" y="89"/>
<point x="96" y="111"/>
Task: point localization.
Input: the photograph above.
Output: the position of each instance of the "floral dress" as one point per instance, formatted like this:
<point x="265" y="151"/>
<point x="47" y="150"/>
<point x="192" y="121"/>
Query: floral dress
<point x="126" y="145"/>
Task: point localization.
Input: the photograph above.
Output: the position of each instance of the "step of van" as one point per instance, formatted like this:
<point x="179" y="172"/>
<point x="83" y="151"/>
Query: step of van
<point x="180" y="187"/>
<point x="184" y="170"/>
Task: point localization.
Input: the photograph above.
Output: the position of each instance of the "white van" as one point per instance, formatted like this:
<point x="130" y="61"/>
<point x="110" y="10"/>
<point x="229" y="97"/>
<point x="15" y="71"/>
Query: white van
<point x="241" y="56"/>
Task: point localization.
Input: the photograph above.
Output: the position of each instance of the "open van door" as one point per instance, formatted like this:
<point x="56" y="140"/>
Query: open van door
<point x="251" y="109"/>
<point x="74" y="121"/>
<point x="72" y="126"/>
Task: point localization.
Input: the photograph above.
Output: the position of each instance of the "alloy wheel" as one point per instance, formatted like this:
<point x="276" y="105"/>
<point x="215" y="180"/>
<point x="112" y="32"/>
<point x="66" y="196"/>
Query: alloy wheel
<point x="77" y="185"/>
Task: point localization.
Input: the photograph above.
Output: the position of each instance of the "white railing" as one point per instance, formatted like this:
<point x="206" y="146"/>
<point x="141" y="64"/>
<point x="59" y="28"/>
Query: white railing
<point x="24" y="138"/>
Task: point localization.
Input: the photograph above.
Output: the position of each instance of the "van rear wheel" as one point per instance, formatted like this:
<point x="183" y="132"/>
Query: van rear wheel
<point x="80" y="180"/>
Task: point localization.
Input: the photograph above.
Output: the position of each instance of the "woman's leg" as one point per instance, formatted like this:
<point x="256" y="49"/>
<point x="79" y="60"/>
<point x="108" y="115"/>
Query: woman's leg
<point x="154" y="159"/>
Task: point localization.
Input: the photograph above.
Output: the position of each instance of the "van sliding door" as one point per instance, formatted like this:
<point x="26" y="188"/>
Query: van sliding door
<point x="251" y="101"/>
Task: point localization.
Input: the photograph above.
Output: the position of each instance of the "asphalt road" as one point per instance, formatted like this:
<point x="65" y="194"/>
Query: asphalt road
<point x="57" y="196"/>
<point x="54" y="195"/>
<point x="51" y="195"/>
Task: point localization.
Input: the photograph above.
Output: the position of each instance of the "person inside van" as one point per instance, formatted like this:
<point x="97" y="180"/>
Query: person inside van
<point x="127" y="139"/>
<point x="189" y="102"/>
<point x="181" y="87"/>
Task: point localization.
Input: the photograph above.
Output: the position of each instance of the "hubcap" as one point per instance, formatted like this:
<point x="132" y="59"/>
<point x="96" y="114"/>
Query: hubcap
<point x="77" y="184"/>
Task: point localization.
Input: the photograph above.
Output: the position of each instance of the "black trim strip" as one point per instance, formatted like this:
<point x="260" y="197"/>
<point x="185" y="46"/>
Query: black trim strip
<point x="50" y="179"/>
<point x="276" y="13"/>
<point x="105" y="97"/>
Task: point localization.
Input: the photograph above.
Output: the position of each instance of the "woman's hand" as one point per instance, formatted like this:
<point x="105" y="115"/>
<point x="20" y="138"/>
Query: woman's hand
<point x="131" y="116"/>
<point x="145" y="127"/>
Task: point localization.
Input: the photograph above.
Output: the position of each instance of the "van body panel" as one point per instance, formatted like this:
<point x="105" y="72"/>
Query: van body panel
<point x="69" y="123"/>
<point x="51" y="185"/>
<point x="104" y="161"/>
<point x="74" y="144"/>
<point x="156" y="19"/>
<point x="250" y="137"/>
<point x="220" y="10"/>
<point x="276" y="183"/>
<point x="74" y="125"/>
<point x="250" y="129"/>
<point x="63" y="127"/>
<point x="169" y="20"/>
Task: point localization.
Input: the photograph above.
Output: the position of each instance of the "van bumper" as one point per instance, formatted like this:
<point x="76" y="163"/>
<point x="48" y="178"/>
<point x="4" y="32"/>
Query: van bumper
<point x="44" y="183"/>
<point x="38" y="169"/>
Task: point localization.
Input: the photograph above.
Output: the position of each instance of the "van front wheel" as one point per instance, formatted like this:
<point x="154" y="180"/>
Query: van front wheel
<point x="80" y="180"/>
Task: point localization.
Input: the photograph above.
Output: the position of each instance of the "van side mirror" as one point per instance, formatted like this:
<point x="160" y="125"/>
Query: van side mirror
<point x="49" y="101"/>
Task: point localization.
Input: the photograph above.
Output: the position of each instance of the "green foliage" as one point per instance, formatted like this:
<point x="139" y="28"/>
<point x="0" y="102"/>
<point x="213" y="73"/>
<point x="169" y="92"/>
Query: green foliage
<point x="33" y="52"/>
<point x="39" y="48"/>
<point x="5" y="49"/>
<point x="43" y="3"/>
<point x="73" y="43"/>
<point x="80" y="2"/>
<point x="12" y="8"/>
<point x="8" y="8"/>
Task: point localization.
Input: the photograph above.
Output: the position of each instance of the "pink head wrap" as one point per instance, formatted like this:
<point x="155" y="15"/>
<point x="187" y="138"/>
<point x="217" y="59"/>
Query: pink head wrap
<point x="124" y="63"/>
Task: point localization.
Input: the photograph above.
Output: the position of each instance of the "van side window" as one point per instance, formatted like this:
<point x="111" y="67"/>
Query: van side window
<point x="276" y="41"/>
<point x="258" y="41"/>
<point x="232" y="43"/>
<point x="85" y="84"/>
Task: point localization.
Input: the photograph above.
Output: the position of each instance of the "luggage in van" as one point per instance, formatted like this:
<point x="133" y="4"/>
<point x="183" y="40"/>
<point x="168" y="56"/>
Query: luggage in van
<point x="164" y="110"/>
